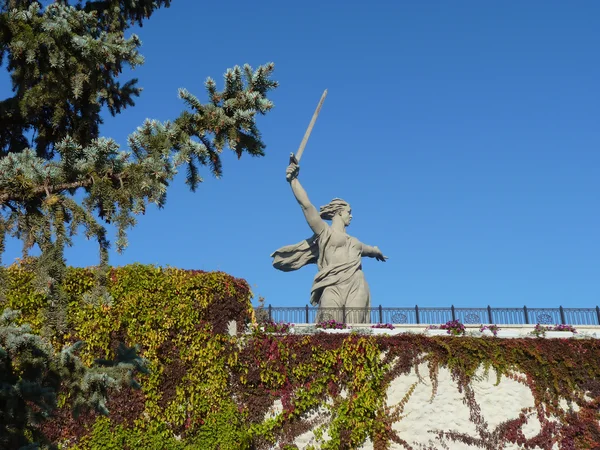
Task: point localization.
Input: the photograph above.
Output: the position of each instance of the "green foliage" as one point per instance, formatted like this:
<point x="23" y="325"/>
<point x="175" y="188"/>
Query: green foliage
<point x="32" y="373"/>
<point x="209" y="390"/>
<point x="107" y="436"/>
<point x="20" y="294"/>
<point x="226" y="429"/>
<point x="173" y="316"/>
<point x="304" y="372"/>
<point x="64" y="60"/>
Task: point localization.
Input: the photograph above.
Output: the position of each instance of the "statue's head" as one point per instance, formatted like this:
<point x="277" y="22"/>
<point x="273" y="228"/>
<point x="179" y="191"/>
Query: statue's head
<point x="337" y="207"/>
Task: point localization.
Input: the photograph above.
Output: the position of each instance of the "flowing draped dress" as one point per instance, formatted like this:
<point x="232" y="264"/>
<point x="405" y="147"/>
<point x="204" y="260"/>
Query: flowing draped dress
<point x="340" y="280"/>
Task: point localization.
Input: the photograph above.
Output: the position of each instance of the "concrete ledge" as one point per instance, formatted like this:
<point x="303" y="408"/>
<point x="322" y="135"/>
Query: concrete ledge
<point x="583" y="331"/>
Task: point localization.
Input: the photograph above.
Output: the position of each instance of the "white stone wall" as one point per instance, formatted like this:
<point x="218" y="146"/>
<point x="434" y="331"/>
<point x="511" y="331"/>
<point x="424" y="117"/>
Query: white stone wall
<point x="424" y="415"/>
<point x="446" y="411"/>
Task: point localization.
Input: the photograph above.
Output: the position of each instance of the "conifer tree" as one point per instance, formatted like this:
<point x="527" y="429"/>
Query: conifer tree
<point x="32" y="373"/>
<point x="64" y="61"/>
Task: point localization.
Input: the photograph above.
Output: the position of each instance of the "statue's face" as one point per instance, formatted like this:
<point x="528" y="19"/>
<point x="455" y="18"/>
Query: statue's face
<point x="346" y="214"/>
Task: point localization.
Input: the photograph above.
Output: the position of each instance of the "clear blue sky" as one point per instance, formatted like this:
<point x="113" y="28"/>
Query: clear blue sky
<point x="464" y="134"/>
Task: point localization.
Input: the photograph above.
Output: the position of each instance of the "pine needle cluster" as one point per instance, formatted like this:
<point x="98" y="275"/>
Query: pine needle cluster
<point x="58" y="176"/>
<point x="32" y="374"/>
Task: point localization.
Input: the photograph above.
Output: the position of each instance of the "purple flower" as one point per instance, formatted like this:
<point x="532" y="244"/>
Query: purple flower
<point x="540" y="330"/>
<point x="561" y="327"/>
<point x="454" y="327"/>
<point x="493" y="328"/>
<point x="383" y="325"/>
<point x="331" y="324"/>
<point x="276" y="327"/>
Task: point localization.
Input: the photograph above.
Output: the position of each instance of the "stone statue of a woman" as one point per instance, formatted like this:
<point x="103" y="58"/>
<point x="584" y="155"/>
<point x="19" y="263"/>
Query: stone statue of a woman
<point x="340" y="280"/>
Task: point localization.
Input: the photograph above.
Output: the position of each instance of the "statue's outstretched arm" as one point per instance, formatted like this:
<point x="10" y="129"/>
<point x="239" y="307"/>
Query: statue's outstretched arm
<point x="373" y="252"/>
<point x="310" y="212"/>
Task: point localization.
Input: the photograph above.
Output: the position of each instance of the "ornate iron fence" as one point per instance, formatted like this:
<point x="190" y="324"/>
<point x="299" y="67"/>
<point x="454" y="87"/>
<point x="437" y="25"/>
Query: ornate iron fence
<point x="428" y="315"/>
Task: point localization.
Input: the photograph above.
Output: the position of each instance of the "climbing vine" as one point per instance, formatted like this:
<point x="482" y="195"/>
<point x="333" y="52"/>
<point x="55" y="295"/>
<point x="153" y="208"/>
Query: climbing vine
<point x="207" y="389"/>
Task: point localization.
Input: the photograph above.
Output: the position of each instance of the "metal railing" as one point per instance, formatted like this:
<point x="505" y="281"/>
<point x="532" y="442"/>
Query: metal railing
<point x="428" y="315"/>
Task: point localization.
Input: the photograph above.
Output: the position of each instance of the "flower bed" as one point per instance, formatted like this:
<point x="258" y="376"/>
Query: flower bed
<point x="331" y="325"/>
<point x="556" y="331"/>
<point x="276" y="327"/>
<point x="388" y="326"/>
<point x="452" y="327"/>
<point x="490" y="329"/>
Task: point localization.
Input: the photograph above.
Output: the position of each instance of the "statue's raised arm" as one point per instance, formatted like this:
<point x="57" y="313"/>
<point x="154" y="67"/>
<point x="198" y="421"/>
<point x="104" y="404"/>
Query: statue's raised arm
<point x="339" y="284"/>
<point x="339" y="287"/>
<point x="311" y="214"/>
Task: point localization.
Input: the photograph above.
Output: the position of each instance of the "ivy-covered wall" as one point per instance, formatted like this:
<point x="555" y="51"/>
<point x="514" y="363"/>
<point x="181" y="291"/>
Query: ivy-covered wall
<point x="208" y="390"/>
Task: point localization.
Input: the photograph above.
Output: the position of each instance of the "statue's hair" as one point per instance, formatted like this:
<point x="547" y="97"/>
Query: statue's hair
<point x="332" y="208"/>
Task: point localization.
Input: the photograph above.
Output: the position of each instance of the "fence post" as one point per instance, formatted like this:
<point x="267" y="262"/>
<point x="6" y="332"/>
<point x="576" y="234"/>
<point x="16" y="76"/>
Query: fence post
<point x="380" y="314"/>
<point x="562" y="315"/>
<point x="490" y="314"/>
<point x="453" y="313"/>
<point x="526" y="315"/>
<point x="418" y="321"/>
<point x="307" y="320"/>
<point x="270" y="313"/>
<point x="598" y="314"/>
<point x="344" y="313"/>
